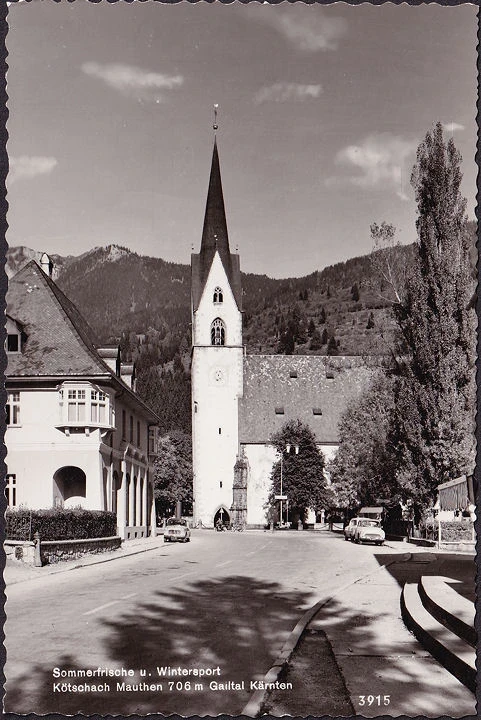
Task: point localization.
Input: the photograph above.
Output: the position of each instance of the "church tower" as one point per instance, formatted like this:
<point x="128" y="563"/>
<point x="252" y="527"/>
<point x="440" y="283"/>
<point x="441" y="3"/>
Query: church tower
<point x="217" y="359"/>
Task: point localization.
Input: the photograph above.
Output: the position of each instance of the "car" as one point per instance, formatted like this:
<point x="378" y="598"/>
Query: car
<point x="369" y="530"/>
<point x="350" y="529"/>
<point x="176" y="530"/>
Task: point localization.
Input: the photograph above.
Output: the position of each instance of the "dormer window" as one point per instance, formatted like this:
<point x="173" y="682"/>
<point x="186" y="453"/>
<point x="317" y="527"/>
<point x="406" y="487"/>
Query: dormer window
<point x="13" y="343"/>
<point x="217" y="332"/>
<point x="218" y="296"/>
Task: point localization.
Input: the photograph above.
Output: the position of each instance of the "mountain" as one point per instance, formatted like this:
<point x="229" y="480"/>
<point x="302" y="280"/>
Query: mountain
<point x="143" y="303"/>
<point x="137" y="300"/>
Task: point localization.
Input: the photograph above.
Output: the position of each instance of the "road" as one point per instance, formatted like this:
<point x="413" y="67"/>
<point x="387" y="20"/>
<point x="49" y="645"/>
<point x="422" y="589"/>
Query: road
<point x="224" y="603"/>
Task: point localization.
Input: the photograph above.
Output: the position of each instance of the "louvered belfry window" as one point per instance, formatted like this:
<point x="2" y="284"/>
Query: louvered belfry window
<point x="218" y="295"/>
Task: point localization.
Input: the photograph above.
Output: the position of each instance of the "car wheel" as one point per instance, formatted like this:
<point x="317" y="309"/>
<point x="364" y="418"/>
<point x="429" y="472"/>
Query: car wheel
<point x="346" y="538"/>
<point x="166" y="539"/>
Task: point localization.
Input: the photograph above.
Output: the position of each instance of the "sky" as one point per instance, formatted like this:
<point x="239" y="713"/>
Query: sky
<point x="321" y="109"/>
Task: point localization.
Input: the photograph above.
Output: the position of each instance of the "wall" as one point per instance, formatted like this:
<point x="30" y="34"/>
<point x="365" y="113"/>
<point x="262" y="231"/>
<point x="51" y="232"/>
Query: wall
<point x="53" y="551"/>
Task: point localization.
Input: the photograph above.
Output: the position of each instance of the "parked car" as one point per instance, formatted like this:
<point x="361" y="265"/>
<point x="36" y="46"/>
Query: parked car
<point x="350" y="529"/>
<point x="176" y="530"/>
<point x="368" y="530"/>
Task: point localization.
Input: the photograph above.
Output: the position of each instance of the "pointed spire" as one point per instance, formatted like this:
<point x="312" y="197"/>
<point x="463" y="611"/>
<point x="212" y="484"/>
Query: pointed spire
<point x="214" y="234"/>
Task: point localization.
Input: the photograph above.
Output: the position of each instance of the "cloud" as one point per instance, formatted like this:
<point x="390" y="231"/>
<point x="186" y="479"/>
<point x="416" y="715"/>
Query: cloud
<point x="28" y="166"/>
<point x="285" y="92"/>
<point x="452" y="127"/>
<point x="382" y="160"/>
<point x="133" y="81"/>
<point x="307" y="28"/>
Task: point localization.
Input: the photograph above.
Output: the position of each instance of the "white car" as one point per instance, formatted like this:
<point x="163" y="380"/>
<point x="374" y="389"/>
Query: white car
<point x="368" y="530"/>
<point x="176" y="530"/>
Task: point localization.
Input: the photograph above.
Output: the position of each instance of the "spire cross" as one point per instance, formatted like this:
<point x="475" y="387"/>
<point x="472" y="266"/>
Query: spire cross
<point x="215" y="126"/>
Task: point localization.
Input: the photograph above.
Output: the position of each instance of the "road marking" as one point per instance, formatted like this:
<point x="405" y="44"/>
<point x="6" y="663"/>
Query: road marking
<point x="101" y="607"/>
<point x="228" y="562"/>
<point x="127" y="597"/>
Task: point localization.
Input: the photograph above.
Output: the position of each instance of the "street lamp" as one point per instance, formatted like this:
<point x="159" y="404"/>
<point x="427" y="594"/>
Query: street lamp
<point x="288" y="450"/>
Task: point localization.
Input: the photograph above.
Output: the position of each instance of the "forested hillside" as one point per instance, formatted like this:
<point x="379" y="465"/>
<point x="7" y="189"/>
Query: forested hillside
<point x="143" y="303"/>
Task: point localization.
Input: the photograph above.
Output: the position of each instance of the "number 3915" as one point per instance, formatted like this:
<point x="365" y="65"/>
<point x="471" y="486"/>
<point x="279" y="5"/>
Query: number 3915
<point x="374" y="700"/>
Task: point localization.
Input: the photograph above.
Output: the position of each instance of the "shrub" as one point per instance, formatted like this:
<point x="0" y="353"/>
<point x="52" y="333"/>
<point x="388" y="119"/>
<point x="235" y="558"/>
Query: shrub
<point x="451" y="530"/>
<point x="60" y="524"/>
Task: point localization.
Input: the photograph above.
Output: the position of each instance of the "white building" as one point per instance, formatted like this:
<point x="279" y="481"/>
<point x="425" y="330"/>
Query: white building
<point x="77" y="434"/>
<point x="239" y="401"/>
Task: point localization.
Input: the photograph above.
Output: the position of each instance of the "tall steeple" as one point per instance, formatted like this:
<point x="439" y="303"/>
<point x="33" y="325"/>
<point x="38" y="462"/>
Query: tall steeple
<point x="215" y="236"/>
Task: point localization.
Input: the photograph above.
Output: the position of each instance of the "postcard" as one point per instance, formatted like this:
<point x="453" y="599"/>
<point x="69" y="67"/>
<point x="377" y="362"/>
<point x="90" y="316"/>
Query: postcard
<point x="241" y="359"/>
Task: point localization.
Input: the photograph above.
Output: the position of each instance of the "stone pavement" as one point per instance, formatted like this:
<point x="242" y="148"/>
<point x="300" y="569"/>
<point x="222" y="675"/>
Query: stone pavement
<point x="358" y="645"/>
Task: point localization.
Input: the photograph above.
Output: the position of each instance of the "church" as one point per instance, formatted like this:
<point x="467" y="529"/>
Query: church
<point x="239" y="401"/>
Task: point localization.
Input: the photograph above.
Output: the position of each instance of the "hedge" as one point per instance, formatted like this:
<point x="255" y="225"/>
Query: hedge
<point x="60" y="524"/>
<point x="451" y="530"/>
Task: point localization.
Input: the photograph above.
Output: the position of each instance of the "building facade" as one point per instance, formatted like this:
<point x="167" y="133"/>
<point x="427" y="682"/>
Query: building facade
<point x="77" y="434"/>
<point x="239" y="401"/>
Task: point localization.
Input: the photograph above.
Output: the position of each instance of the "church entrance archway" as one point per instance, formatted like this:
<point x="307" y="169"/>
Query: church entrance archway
<point x="222" y="516"/>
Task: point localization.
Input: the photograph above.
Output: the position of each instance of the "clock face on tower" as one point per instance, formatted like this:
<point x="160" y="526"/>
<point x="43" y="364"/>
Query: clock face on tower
<point x="218" y="376"/>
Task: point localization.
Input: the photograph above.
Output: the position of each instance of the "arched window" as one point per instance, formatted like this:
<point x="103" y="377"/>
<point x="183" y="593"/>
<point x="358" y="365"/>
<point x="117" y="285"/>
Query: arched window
<point x="218" y="295"/>
<point x="217" y="332"/>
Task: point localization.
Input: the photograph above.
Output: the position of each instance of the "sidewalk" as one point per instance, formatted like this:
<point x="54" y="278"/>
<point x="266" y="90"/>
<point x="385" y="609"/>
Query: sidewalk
<point x="357" y="646"/>
<point x="17" y="571"/>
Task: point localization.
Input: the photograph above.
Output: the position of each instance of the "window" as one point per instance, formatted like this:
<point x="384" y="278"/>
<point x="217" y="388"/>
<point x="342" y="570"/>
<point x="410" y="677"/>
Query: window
<point x="138" y="433"/>
<point x="13" y="408"/>
<point x="293" y="374"/>
<point x="84" y="405"/>
<point x="329" y="375"/>
<point x="218" y="295"/>
<point x="76" y="405"/>
<point x="124" y="425"/>
<point x="98" y="406"/>
<point x="131" y="429"/>
<point x="11" y="490"/>
<point x="279" y="411"/>
<point x="316" y="411"/>
<point x="152" y="440"/>
<point x="217" y="332"/>
<point x="13" y="343"/>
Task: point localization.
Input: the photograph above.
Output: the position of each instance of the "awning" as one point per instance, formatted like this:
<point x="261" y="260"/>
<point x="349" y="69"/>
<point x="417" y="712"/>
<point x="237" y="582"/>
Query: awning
<point x="370" y="511"/>
<point x="456" y="494"/>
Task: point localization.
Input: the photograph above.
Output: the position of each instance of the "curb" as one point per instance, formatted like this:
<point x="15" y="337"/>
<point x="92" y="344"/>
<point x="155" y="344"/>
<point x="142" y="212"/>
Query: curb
<point x="255" y="703"/>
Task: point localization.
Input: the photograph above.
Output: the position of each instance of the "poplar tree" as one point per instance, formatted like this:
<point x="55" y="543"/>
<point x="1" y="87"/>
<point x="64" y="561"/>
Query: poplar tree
<point x="433" y="420"/>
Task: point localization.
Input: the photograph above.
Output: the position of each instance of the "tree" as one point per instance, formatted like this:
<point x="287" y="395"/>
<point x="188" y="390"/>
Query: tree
<point x="324" y="337"/>
<point x="316" y="341"/>
<point x="433" y="419"/>
<point x="311" y="328"/>
<point x="173" y="474"/>
<point x="355" y="292"/>
<point x="303" y="478"/>
<point x="361" y="472"/>
<point x="388" y="263"/>
<point x="322" y="315"/>
<point x="332" y="346"/>
<point x="370" y="321"/>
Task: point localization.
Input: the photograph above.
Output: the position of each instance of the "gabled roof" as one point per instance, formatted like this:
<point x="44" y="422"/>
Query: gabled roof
<point x="313" y="389"/>
<point x="58" y="340"/>
<point x="215" y="238"/>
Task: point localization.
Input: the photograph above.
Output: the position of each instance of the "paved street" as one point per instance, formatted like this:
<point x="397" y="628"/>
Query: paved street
<point x="224" y="603"/>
